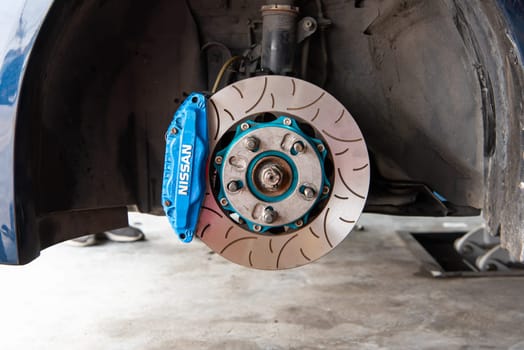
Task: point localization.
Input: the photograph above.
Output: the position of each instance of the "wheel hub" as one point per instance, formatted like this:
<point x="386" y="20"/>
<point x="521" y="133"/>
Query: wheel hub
<point x="271" y="185"/>
<point x="272" y="176"/>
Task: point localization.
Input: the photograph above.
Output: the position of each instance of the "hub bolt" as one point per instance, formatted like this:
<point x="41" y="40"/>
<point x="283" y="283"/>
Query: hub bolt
<point x="252" y="143"/>
<point x="308" y="24"/>
<point x="233" y="186"/>
<point x="298" y="147"/>
<point x="270" y="215"/>
<point x="309" y="193"/>
<point x="272" y="177"/>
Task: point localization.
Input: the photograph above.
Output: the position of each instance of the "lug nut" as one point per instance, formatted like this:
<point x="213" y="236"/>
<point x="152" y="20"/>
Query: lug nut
<point x="233" y="186"/>
<point x="309" y="193"/>
<point x="298" y="147"/>
<point x="271" y="178"/>
<point x="252" y="143"/>
<point x="269" y="216"/>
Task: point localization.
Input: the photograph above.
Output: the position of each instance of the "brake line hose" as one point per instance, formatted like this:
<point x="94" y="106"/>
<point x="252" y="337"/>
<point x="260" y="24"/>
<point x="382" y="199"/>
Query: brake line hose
<point x="223" y="70"/>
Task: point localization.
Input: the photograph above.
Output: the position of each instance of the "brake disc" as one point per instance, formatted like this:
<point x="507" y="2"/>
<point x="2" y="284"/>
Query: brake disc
<point x="316" y="204"/>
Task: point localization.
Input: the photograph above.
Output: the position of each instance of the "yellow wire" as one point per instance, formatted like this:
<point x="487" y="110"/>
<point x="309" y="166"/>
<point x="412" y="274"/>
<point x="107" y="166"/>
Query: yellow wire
<point x="220" y="75"/>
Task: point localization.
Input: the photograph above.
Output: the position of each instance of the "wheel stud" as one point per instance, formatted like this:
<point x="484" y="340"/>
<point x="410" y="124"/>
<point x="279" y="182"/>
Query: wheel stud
<point x="309" y="193"/>
<point x="298" y="147"/>
<point x="269" y="216"/>
<point x="233" y="186"/>
<point x="252" y="143"/>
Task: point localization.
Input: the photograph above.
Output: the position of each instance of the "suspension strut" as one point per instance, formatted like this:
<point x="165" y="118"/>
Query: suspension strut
<point x="279" y="37"/>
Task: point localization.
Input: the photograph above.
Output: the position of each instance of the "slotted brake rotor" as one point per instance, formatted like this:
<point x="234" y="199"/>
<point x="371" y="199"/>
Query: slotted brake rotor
<point x="284" y="192"/>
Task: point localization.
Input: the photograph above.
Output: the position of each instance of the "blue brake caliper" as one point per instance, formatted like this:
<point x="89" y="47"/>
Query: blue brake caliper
<point x="187" y="149"/>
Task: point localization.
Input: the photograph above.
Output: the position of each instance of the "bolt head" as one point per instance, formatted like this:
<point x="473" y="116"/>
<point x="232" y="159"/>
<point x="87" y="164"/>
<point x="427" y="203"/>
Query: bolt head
<point x="257" y="228"/>
<point x="252" y="143"/>
<point x="269" y="216"/>
<point x="272" y="177"/>
<point x="224" y="202"/>
<point x="244" y="126"/>
<point x="219" y="160"/>
<point x="174" y="131"/>
<point x="287" y="121"/>
<point x="308" y="24"/>
<point x="233" y="186"/>
<point x="309" y="193"/>
<point x="299" y="223"/>
<point x="325" y="190"/>
<point x="321" y="148"/>
<point x="298" y="147"/>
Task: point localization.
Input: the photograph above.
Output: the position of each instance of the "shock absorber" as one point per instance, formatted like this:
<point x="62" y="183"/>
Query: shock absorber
<point x="279" y="37"/>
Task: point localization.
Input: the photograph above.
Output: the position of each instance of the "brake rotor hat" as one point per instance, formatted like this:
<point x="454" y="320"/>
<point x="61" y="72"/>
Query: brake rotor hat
<point x="272" y="177"/>
<point x="307" y="103"/>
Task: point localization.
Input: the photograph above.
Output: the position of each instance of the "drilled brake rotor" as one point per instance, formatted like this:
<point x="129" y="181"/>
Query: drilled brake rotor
<point x="307" y="103"/>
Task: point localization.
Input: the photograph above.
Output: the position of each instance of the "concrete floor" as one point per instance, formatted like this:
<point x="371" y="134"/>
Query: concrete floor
<point x="159" y="294"/>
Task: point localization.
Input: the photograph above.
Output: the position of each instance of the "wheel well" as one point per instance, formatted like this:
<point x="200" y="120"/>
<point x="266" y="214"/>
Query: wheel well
<point x="106" y="76"/>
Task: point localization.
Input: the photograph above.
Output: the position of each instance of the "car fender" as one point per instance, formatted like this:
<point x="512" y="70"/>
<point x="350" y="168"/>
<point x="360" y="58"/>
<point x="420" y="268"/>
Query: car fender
<point x="20" y="23"/>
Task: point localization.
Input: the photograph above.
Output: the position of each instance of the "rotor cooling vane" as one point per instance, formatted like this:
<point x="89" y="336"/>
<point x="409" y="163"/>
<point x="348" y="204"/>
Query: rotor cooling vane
<point x="288" y="174"/>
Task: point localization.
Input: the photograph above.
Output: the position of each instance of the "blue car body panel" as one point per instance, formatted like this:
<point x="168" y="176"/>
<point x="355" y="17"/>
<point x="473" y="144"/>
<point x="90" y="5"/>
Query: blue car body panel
<point x="514" y="12"/>
<point x="19" y="26"/>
